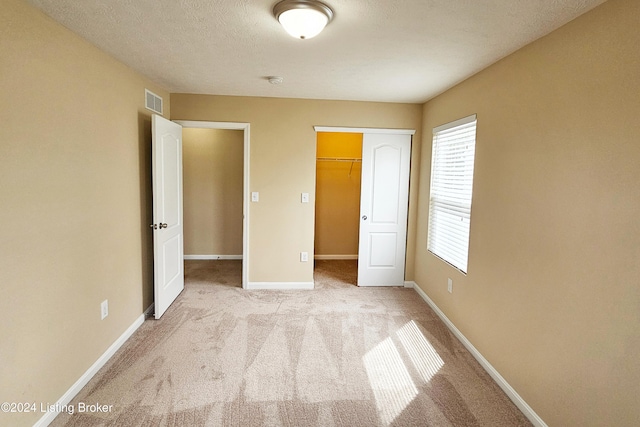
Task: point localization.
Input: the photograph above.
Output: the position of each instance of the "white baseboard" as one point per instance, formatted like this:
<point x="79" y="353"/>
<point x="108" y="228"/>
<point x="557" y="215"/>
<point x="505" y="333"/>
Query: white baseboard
<point x="86" y="377"/>
<point x="410" y="284"/>
<point x="333" y="257"/>
<point x="209" y="257"/>
<point x="280" y="285"/>
<point x="499" y="379"/>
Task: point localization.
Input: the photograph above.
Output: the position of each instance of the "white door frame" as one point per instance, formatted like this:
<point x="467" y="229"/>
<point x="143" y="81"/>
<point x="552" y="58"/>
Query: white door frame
<point x="245" y="185"/>
<point x="371" y="131"/>
<point x="363" y="130"/>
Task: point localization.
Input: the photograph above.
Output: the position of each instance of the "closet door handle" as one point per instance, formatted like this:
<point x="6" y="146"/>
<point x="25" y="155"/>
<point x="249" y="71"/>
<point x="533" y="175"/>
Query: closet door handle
<point x="364" y="217"/>
<point x="163" y="225"/>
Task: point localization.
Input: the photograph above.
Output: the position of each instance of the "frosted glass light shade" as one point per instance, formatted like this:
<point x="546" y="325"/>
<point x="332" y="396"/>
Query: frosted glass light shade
<point x="303" y="19"/>
<point x="303" y="23"/>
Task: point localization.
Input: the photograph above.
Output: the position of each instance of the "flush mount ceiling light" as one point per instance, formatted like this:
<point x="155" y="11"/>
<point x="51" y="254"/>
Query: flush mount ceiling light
<point x="303" y="19"/>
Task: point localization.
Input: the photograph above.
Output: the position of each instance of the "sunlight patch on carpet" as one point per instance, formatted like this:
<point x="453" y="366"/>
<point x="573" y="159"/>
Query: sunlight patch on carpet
<point x="390" y="381"/>
<point x="425" y="358"/>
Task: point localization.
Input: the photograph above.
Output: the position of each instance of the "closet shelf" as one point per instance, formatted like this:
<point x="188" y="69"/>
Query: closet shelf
<point x="340" y="159"/>
<point x="337" y="159"/>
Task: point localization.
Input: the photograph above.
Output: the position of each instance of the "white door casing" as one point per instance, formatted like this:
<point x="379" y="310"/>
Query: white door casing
<point x="166" y="154"/>
<point x="384" y="203"/>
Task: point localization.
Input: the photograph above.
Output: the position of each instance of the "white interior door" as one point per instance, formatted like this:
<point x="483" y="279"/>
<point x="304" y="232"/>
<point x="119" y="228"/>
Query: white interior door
<point x="384" y="202"/>
<point x="168" y="255"/>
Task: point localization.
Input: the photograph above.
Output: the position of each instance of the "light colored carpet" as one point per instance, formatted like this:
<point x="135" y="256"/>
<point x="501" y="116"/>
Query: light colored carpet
<point x="338" y="355"/>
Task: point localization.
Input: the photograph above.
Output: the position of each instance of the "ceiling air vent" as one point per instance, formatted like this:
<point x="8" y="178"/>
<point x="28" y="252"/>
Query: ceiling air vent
<point x="152" y="101"/>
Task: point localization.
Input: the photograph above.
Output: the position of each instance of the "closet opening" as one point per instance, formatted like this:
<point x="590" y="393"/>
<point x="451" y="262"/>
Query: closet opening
<point x="337" y="209"/>
<point x="362" y="202"/>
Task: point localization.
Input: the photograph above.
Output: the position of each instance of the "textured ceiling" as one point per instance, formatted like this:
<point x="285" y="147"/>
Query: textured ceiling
<point x="373" y="50"/>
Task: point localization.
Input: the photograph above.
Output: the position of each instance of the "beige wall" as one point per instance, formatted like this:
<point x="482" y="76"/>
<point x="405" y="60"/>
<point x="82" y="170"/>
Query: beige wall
<point x="338" y="193"/>
<point x="283" y="151"/>
<point x="212" y="162"/>
<point x="74" y="157"/>
<point x="552" y="295"/>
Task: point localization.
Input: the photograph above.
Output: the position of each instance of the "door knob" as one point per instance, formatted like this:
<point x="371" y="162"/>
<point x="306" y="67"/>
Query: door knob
<point x="154" y="226"/>
<point x="364" y="217"/>
<point x="163" y="225"/>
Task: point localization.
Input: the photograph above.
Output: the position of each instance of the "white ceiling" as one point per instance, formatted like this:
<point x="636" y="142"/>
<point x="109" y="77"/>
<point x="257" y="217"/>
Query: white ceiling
<point x="373" y="50"/>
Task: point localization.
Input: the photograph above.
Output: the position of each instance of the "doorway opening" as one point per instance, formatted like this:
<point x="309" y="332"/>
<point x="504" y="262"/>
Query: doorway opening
<point x="337" y="209"/>
<point x="216" y="182"/>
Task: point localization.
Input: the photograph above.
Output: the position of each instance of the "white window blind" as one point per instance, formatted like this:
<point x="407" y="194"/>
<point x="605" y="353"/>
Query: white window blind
<point x="453" y="155"/>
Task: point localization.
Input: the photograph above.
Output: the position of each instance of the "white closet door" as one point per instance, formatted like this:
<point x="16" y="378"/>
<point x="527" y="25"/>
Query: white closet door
<point x="384" y="203"/>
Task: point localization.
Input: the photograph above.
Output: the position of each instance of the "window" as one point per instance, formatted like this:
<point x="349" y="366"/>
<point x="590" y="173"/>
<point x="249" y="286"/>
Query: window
<point x="451" y="187"/>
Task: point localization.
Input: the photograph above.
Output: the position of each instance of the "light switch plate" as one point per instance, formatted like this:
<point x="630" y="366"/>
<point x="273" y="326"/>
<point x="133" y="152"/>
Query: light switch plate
<point x="104" y="309"/>
<point x="305" y="197"/>
<point x="255" y="196"/>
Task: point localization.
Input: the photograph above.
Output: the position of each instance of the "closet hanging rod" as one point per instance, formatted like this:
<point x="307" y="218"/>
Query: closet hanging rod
<point x="337" y="159"/>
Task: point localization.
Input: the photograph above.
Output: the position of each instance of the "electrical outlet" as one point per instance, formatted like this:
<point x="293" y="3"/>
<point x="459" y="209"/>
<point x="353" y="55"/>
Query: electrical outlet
<point x="450" y="285"/>
<point x="104" y="309"/>
<point x="304" y="256"/>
